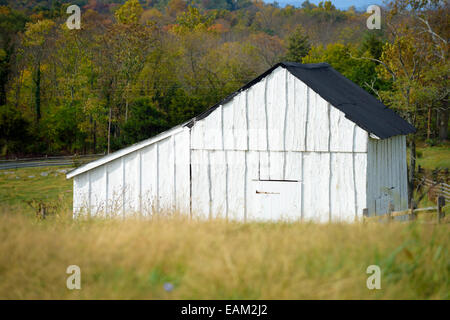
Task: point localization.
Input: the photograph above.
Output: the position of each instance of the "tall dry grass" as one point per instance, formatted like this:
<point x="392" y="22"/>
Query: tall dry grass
<point x="133" y="259"/>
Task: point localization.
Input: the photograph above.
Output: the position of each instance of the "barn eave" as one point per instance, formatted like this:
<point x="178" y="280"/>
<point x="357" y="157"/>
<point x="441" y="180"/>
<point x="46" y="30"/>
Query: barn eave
<point x="122" y="152"/>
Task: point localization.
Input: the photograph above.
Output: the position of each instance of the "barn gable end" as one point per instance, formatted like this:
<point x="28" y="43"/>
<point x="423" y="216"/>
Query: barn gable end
<point x="279" y="113"/>
<point x="278" y="130"/>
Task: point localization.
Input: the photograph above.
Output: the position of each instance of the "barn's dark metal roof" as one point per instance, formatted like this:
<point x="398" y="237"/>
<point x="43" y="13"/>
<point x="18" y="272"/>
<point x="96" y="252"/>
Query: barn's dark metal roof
<point x="357" y="104"/>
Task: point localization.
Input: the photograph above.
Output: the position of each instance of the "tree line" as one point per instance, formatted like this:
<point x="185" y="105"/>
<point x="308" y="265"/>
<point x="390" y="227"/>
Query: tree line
<point x="137" y="68"/>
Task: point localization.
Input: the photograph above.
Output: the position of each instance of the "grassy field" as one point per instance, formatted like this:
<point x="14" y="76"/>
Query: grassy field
<point x="134" y="259"/>
<point x="431" y="158"/>
<point x="17" y="186"/>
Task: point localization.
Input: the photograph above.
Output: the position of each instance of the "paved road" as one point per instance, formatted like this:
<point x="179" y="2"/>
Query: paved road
<point x="44" y="162"/>
<point x="15" y="165"/>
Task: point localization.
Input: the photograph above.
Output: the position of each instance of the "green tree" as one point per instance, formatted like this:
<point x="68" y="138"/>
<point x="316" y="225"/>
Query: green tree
<point x="416" y="60"/>
<point x="184" y="107"/>
<point x="14" y="131"/>
<point x="11" y="22"/>
<point x="145" y="121"/>
<point x="193" y="20"/>
<point x="372" y="42"/>
<point x="37" y="40"/>
<point x="402" y="63"/>
<point x="129" y="13"/>
<point x="298" y="45"/>
<point x="342" y="58"/>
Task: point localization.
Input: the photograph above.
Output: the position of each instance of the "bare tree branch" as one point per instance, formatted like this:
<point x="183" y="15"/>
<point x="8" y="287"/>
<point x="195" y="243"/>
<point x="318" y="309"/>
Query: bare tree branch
<point x="371" y="86"/>
<point x="430" y="30"/>
<point x="394" y="77"/>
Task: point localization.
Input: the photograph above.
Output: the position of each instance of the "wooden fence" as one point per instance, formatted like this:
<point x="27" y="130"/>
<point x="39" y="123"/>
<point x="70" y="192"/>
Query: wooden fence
<point x="411" y="214"/>
<point x="441" y="189"/>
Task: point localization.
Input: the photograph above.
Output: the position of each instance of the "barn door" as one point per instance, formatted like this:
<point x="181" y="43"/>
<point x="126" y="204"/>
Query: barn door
<point x="275" y="200"/>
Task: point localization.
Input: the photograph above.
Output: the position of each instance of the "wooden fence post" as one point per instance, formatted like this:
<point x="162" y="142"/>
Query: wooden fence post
<point x="413" y="215"/>
<point x="390" y="209"/>
<point x="365" y="212"/>
<point x="440" y="204"/>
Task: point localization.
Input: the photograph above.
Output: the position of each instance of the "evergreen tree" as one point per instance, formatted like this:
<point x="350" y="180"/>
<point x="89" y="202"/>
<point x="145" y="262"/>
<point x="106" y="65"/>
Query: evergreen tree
<point x="298" y="45"/>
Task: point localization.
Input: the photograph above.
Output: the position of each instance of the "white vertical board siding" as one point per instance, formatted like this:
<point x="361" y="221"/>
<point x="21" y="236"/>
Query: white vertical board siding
<point x="252" y="175"/>
<point x="200" y="184"/>
<point x="182" y="168"/>
<point x="264" y="165"/>
<point x="276" y="165"/>
<point x="296" y="114"/>
<point x="345" y="135"/>
<point x="98" y="191"/>
<point x="293" y="166"/>
<point x="276" y="101"/>
<point x="227" y="125"/>
<point x="386" y="174"/>
<point x="218" y="184"/>
<point x="81" y="194"/>
<point x="342" y="195"/>
<point x="360" y="138"/>
<point x="166" y="179"/>
<point x="149" y="182"/>
<point x="318" y="125"/>
<point x="240" y="121"/>
<point x="198" y="132"/>
<point x="342" y="130"/>
<point x="115" y="188"/>
<point x="212" y="131"/>
<point x="360" y="167"/>
<point x="146" y="181"/>
<point x="257" y="116"/>
<point x="316" y="186"/>
<point x="132" y="182"/>
<point x="236" y="174"/>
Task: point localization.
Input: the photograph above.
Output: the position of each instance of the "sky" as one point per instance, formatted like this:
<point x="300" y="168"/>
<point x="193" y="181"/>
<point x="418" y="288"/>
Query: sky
<point x="340" y="4"/>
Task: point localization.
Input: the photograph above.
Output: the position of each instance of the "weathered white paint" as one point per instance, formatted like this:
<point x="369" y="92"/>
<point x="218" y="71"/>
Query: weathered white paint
<point x="152" y="179"/>
<point x="277" y="150"/>
<point x="149" y="191"/>
<point x="115" y="186"/>
<point x="98" y="182"/>
<point x="275" y="200"/>
<point x="122" y="152"/>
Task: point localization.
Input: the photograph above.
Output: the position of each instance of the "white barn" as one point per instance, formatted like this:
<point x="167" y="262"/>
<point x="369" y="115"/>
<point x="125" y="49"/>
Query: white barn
<point x="300" y="142"/>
